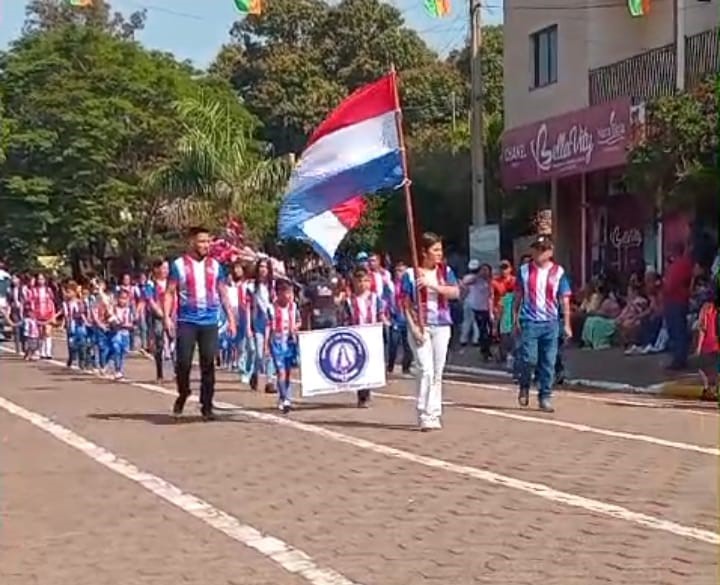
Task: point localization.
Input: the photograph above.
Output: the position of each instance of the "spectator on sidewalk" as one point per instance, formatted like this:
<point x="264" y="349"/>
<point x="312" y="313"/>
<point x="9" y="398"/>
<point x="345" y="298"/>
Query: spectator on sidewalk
<point x="676" y="296"/>
<point x="600" y="326"/>
<point x="708" y="349"/>
<point x="478" y="283"/>
<point x="541" y="287"/>
<point x="469" y="332"/>
<point x="630" y="318"/>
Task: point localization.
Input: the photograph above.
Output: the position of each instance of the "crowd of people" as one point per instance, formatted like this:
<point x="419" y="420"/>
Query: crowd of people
<point x="643" y="313"/>
<point x="243" y="317"/>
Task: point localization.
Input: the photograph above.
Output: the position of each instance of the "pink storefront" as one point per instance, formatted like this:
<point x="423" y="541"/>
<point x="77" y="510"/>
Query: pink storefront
<point x="597" y="223"/>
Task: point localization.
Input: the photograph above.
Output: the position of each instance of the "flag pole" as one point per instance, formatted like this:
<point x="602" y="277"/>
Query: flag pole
<point x="409" y="210"/>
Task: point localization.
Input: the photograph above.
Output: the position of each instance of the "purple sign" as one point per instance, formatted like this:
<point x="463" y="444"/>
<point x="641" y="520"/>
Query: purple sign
<point x="582" y="141"/>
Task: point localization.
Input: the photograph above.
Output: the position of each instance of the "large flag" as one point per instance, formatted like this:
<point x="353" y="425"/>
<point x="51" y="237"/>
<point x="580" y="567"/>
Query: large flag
<point x="355" y="151"/>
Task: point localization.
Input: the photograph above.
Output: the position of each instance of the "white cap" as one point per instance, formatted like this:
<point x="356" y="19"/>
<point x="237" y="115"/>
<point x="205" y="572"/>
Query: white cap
<point x="474" y="265"/>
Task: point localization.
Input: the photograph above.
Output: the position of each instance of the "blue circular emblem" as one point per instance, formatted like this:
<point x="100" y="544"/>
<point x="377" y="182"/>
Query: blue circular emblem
<point x="342" y="357"/>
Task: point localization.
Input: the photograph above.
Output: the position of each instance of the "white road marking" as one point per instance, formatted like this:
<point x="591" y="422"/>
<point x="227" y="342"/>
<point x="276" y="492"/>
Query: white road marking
<point x="537" y="489"/>
<point x="289" y="558"/>
<point x="571" y="426"/>
<point x="652" y="401"/>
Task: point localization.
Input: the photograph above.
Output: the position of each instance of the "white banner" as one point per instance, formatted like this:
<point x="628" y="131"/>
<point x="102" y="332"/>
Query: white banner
<point x="344" y="359"/>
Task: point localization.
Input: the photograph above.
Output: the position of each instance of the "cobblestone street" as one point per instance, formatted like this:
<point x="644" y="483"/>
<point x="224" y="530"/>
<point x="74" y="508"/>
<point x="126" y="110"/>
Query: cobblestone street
<point x="100" y="485"/>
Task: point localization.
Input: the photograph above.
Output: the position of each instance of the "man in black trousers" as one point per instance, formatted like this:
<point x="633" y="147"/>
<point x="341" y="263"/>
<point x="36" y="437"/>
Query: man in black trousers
<point x="198" y="282"/>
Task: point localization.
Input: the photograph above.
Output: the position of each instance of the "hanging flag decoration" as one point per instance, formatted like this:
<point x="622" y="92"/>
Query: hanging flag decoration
<point x="639" y="7"/>
<point x="81" y="3"/>
<point x="249" y="6"/>
<point x="439" y="8"/>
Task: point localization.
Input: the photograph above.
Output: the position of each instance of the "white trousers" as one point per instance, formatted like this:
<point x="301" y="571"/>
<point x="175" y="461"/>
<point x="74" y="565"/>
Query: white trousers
<point x="430" y="362"/>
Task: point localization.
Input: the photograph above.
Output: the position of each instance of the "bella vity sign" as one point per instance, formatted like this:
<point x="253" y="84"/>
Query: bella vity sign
<point x="587" y="140"/>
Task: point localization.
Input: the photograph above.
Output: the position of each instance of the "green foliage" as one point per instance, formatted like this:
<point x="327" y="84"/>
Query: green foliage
<point x="107" y="146"/>
<point x="90" y="118"/>
<point x="296" y="61"/>
<point x="676" y="162"/>
<point x="219" y="171"/>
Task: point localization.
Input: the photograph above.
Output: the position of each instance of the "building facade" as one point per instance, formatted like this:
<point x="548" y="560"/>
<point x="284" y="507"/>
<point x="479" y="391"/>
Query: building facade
<point x="576" y="75"/>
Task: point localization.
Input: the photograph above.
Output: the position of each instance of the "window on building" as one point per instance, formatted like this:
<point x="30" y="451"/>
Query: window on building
<point x="544" y="56"/>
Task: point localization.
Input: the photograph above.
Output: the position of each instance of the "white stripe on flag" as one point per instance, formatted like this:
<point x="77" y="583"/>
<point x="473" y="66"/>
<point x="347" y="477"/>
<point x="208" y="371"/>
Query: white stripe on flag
<point x="344" y="149"/>
<point x="326" y="230"/>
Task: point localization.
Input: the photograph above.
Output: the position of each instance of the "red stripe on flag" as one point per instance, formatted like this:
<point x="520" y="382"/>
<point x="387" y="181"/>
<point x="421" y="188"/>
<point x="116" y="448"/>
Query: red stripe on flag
<point x="368" y="101"/>
<point x="351" y="211"/>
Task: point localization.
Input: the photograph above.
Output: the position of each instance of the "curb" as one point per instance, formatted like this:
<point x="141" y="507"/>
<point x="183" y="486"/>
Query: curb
<point x="684" y="388"/>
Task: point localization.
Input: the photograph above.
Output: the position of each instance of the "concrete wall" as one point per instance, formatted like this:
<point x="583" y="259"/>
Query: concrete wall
<point x="590" y="34"/>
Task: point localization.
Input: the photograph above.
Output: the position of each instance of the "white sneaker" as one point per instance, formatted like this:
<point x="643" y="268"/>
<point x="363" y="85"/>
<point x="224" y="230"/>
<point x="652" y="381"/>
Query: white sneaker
<point x="632" y="350"/>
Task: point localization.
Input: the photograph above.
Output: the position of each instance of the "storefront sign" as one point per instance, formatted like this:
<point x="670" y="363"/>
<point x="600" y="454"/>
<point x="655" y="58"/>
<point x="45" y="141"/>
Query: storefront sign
<point x="631" y="238"/>
<point x="583" y="141"/>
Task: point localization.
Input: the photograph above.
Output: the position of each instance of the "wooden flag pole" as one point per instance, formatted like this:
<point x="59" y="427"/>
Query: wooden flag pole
<point x="409" y="210"/>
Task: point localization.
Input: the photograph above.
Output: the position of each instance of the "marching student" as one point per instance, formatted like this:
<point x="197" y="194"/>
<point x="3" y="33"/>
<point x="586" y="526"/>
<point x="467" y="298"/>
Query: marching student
<point x="75" y="317"/>
<point x="398" y="326"/>
<point x="238" y="299"/>
<point x="120" y="327"/>
<point x="364" y="307"/>
<point x="31" y="333"/>
<point x="159" y="341"/>
<point x="42" y="300"/>
<point x="262" y="296"/>
<point x="432" y="289"/>
<point x="100" y="307"/>
<point x="281" y="343"/>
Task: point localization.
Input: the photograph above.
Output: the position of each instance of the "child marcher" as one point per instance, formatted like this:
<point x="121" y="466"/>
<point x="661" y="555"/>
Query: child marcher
<point x="283" y="323"/>
<point x="121" y="324"/>
<point x="398" y="327"/>
<point x="364" y="307"/>
<point x="31" y="334"/>
<point x="75" y="317"/>
<point x="708" y="350"/>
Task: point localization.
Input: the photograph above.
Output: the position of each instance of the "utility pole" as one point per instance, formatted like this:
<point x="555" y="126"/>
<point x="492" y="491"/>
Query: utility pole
<point x="679" y="36"/>
<point x="477" y="129"/>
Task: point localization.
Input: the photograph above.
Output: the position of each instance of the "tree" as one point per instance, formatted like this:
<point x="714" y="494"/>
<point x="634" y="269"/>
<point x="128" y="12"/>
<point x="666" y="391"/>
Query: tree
<point x="676" y="162"/>
<point x="491" y="64"/>
<point x="45" y="15"/>
<point x="219" y="172"/>
<point x="88" y="115"/>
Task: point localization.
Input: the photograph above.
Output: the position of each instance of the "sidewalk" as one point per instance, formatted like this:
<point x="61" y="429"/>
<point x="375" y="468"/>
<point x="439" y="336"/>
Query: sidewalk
<point x="607" y="370"/>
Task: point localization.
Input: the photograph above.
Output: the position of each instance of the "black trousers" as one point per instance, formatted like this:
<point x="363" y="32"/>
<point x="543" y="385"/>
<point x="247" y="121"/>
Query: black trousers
<point x="206" y="338"/>
<point x="157" y="334"/>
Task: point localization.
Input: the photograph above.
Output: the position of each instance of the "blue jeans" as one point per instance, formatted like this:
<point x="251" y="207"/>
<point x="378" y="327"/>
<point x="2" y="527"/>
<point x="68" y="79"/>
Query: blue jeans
<point x="677" y="328"/>
<point x="538" y="352"/>
<point x="120" y="343"/>
<point x="263" y="364"/>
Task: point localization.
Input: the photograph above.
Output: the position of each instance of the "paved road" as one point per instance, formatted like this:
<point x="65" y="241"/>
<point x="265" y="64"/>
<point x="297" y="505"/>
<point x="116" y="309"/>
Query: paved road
<point x="100" y="486"/>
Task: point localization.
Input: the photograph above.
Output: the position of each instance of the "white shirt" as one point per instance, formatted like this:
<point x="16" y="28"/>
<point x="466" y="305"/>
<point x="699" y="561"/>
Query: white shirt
<point x="479" y="292"/>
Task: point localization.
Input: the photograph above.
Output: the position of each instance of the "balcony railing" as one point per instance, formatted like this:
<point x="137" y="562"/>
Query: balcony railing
<point x="652" y="74"/>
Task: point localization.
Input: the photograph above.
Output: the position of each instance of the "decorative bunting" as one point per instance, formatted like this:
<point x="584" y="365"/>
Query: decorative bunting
<point x="249" y="6"/>
<point x="439" y="8"/>
<point x="639" y="7"/>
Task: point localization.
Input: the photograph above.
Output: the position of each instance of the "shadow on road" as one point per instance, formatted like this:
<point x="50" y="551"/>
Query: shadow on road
<point x="160" y="419"/>
<point x="490" y="407"/>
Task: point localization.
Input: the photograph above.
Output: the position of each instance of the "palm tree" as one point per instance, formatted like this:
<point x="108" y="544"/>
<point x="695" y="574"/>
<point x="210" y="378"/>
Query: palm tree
<point x="219" y="171"/>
